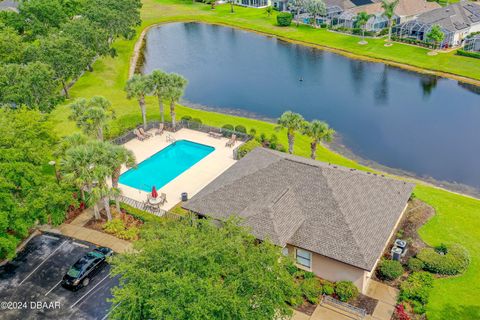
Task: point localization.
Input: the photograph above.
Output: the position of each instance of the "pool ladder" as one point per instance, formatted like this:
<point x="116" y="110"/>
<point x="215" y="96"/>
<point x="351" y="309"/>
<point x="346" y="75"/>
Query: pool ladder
<point x="170" y="138"/>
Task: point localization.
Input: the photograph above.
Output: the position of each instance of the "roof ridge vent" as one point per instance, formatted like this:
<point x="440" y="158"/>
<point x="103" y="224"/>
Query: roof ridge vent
<point x="280" y="196"/>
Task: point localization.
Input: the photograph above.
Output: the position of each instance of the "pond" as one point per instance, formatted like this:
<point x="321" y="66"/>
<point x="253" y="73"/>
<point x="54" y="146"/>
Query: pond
<point x="425" y="125"/>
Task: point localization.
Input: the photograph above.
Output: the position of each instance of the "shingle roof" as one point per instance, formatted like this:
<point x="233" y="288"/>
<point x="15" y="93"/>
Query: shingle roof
<point x="457" y="16"/>
<point x="8" y="5"/>
<point x="341" y="213"/>
<point x="405" y="8"/>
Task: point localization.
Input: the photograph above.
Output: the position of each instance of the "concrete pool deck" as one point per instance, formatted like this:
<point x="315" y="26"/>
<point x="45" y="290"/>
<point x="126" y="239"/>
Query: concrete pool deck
<point x="193" y="179"/>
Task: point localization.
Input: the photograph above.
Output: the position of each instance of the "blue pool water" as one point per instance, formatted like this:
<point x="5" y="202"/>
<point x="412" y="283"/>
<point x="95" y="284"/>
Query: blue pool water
<point x="165" y="165"/>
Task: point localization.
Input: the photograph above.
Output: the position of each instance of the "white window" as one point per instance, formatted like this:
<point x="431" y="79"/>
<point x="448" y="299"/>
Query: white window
<point x="304" y="258"/>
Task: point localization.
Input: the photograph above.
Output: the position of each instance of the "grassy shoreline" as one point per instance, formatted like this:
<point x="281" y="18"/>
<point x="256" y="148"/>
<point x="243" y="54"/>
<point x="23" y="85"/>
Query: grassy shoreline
<point x="457" y="218"/>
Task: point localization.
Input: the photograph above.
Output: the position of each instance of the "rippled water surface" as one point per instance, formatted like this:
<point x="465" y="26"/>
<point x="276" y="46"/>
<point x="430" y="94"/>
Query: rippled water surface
<point x="401" y="119"/>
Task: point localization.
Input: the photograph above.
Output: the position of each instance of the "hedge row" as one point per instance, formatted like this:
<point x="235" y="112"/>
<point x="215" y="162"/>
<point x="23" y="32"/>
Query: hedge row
<point x="470" y="54"/>
<point x="454" y="260"/>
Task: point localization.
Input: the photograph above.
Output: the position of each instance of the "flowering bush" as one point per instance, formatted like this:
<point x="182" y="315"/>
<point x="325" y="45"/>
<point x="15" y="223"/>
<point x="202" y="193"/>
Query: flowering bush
<point x="400" y="313"/>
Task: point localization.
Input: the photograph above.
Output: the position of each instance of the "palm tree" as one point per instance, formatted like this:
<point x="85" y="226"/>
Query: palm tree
<point x="175" y="91"/>
<point x="101" y="192"/>
<point x="160" y="81"/>
<point x="115" y="157"/>
<point x="138" y="87"/>
<point x="319" y="131"/>
<point x="93" y="115"/>
<point x="362" y="19"/>
<point x="389" y="12"/>
<point x="292" y="122"/>
<point x="85" y="166"/>
<point x="78" y="166"/>
<point x="68" y="142"/>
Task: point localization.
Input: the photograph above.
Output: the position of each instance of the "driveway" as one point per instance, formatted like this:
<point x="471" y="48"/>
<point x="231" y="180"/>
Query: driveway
<point x="31" y="282"/>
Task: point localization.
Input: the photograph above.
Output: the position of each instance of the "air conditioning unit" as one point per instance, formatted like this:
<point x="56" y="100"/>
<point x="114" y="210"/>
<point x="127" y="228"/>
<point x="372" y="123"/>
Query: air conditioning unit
<point x="402" y="244"/>
<point x="396" y="253"/>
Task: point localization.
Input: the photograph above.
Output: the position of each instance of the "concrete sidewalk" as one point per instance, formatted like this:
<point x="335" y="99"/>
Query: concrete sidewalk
<point x="387" y="299"/>
<point x="76" y="230"/>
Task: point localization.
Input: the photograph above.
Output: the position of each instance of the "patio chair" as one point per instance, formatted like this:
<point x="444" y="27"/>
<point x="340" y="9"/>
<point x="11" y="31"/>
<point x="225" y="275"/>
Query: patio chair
<point x="231" y="142"/>
<point x="138" y="135"/>
<point x="216" y="135"/>
<point x="145" y="134"/>
<point x="163" y="198"/>
<point x="160" y="129"/>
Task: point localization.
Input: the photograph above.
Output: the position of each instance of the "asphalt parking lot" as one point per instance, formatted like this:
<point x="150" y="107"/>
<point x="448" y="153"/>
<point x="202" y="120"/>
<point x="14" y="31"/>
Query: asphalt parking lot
<point x="31" y="283"/>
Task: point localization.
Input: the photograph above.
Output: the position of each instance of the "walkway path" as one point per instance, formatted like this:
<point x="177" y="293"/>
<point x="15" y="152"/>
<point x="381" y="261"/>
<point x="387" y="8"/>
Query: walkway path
<point x="387" y="299"/>
<point x="76" y="230"/>
<point x="386" y="296"/>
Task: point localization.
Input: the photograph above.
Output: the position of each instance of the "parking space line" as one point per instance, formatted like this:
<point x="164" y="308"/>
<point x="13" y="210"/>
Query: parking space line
<point x="53" y="287"/>
<point x="80" y="245"/>
<point x="81" y="298"/>
<point x="111" y="310"/>
<point x="44" y="260"/>
<point x="50" y="237"/>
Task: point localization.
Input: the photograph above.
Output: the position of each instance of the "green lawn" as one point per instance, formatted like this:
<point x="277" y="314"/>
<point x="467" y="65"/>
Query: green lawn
<point x="458" y="217"/>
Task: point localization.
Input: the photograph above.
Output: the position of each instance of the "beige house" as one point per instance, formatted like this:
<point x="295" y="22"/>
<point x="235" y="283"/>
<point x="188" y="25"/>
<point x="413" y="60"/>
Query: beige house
<point x="334" y="221"/>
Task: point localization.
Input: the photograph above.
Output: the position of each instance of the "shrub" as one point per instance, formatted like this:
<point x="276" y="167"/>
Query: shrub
<point x="292" y="268"/>
<point x="296" y="300"/>
<point x="309" y="275"/>
<point x="118" y="228"/>
<point x="128" y="234"/>
<point x="346" y="290"/>
<point x="284" y="19"/>
<point x="418" y="307"/>
<point x="262" y="138"/>
<point x="240" y="129"/>
<point x="247" y="147"/>
<point x="455" y="261"/>
<point x="416" y="287"/>
<point x="415" y="264"/>
<point x="273" y="142"/>
<point x="252" y="132"/>
<point x="114" y="226"/>
<point x="195" y="123"/>
<point x="311" y="289"/>
<point x="227" y="130"/>
<point x="328" y="289"/>
<point x="390" y="269"/>
<point x="186" y="118"/>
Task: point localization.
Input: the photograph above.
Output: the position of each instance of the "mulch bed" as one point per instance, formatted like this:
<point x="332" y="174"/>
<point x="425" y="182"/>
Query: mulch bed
<point x="74" y="212"/>
<point x="416" y="215"/>
<point x="97" y="224"/>
<point x="100" y="223"/>
<point x="307" y="308"/>
<point x="364" y="302"/>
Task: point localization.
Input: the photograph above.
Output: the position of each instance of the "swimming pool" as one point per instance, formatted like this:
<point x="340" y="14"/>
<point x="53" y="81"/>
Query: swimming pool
<point x="165" y="165"/>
